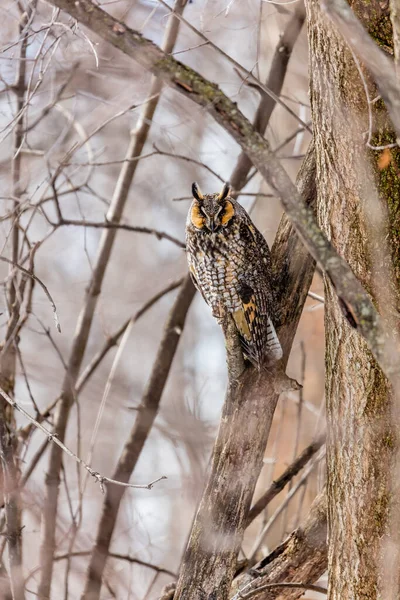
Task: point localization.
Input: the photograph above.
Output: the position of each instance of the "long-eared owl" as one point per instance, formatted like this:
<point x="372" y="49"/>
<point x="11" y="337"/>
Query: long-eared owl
<point x="230" y="264"/>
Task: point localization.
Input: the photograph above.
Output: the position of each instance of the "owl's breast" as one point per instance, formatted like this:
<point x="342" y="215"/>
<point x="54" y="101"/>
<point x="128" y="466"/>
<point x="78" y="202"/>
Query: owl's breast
<point x="218" y="267"/>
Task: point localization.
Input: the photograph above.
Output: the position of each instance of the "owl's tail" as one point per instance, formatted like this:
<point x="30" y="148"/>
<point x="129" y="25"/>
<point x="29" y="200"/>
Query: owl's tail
<point x="273" y="347"/>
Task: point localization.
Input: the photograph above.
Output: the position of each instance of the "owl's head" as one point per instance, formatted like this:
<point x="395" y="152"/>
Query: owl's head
<point x="211" y="212"/>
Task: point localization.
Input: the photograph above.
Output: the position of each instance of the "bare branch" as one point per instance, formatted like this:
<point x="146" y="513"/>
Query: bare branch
<point x="275" y="98"/>
<point x="160" y="235"/>
<point x="283" y="505"/>
<point x="125" y="557"/>
<point x="316" y="297"/>
<point x="115" y="555"/>
<point x="8" y="350"/>
<point x="276" y="78"/>
<point x="271" y="586"/>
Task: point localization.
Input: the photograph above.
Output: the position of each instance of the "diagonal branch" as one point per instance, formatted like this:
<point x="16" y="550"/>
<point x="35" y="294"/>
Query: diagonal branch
<point x="276" y="78"/>
<point x="101" y="479"/>
<point x="160" y="235"/>
<point x="278" y="485"/>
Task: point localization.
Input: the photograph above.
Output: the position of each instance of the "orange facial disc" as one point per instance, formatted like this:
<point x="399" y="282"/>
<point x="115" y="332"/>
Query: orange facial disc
<point x="228" y="213"/>
<point x="196" y="217"/>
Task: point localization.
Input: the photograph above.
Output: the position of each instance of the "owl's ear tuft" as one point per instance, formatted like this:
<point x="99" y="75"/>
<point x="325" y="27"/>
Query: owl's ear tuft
<point x="196" y="191"/>
<point x="226" y="190"/>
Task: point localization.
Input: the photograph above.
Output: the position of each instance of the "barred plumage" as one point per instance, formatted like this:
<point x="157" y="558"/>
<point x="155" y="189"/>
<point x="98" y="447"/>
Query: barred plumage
<point x="230" y="263"/>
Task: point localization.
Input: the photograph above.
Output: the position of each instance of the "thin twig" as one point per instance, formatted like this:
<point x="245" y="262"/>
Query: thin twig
<point x="316" y="297"/>
<point x="115" y="555"/>
<point x="269" y="586"/>
<point x="160" y="235"/>
<point x="101" y="479"/>
<point x="35" y="278"/>
<point x="249" y="75"/>
<point x="282" y="506"/>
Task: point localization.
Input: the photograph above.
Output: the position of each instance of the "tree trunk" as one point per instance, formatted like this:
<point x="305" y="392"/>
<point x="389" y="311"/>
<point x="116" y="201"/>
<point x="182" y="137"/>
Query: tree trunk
<point x="358" y="190"/>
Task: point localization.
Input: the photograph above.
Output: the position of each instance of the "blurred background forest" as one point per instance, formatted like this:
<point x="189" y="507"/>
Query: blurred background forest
<point x="62" y="147"/>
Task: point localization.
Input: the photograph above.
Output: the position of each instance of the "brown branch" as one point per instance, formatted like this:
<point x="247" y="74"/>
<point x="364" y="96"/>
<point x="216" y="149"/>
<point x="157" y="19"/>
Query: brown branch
<point x="12" y="506"/>
<point x="145" y="418"/>
<point x="115" y="555"/>
<point x="252" y="559"/>
<point x="136" y="145"/>
<point x="302" y="557"/>
<point x="272" y="586"/>
<point x="35" y="278"/>
<point x="125" y="557"/>
<point x="8" y="352"/>
<point x="249" y="77"/>
<point x="277" y="486"/>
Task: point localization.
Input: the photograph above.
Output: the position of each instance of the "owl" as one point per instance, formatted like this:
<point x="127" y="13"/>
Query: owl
<point x="229" y="261"/>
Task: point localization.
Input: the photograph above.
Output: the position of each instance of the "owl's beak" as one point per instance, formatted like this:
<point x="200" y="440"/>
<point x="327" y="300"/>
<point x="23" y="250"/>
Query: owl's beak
<point x="212" y="226"/>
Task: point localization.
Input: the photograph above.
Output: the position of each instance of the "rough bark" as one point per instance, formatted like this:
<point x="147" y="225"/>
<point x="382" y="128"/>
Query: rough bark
<point x="209" y="563"/>
<point x="353" y="199"/>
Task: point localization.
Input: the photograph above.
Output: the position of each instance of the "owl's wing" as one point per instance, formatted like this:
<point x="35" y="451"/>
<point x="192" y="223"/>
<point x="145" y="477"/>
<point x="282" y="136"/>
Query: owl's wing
<point x="192" y="272"/>
<point x="253" y="319"/>
<point x="256" y="330"/>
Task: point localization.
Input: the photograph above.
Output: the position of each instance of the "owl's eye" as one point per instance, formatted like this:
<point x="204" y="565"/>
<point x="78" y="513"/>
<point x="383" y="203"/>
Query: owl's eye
<point x="227" y="213"/>
<point x="198" y="216"/>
